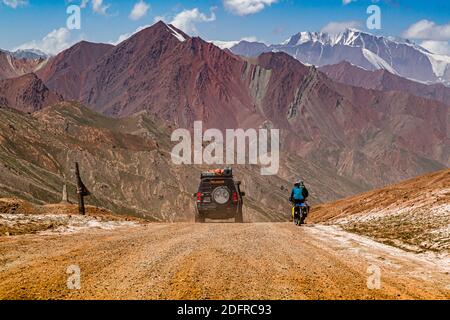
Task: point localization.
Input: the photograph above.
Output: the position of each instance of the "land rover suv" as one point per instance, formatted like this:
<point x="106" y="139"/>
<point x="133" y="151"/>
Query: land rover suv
<point x="219" y="196"/>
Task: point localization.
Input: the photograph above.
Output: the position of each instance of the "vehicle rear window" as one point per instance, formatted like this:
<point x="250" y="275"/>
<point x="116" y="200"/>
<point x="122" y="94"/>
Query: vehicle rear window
<point x="210" y="184"/>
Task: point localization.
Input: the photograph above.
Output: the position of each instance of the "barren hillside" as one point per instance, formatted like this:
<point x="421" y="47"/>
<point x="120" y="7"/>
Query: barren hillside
<point x="414" y="215"/>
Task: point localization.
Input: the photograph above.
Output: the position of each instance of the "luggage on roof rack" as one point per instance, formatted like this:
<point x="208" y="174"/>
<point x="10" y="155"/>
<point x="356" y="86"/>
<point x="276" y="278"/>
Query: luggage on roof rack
<point x="227" y="172"/>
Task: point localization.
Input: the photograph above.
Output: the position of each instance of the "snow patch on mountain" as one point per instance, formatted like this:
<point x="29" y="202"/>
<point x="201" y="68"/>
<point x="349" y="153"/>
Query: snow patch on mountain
<point x="377" y="61"/>
<point x="349" y="38"/>
<point x="440" y="63"/>
<point x="176" y="34"/>
<point x="224" y="44"/>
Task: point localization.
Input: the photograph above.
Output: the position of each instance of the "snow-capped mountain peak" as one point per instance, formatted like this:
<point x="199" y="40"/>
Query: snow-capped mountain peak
<point x="304" y="37"/>
<point x="363" y="49"/>
<point x="348" y="37"/>
<point x="30" y="54"/>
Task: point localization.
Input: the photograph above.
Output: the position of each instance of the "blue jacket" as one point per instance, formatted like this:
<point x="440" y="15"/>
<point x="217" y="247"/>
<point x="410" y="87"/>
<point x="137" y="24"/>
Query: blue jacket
<point x="299" y="194"/>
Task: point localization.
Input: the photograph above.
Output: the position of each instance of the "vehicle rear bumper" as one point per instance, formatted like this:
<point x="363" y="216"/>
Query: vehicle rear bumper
<point x="212" y="212"/>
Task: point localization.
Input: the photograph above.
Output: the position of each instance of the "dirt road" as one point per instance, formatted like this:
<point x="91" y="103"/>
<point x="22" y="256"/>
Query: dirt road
<point x="215" y="261"/>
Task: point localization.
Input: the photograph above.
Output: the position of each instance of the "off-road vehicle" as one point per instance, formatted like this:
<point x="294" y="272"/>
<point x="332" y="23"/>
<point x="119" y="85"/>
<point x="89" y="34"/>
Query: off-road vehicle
<point x="219" y="197"/>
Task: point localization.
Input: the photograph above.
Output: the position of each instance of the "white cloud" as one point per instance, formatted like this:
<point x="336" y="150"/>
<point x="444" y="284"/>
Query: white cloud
<point x="53" y="43"/>
<point x="251" y="39"/>
<point x="229" y="44"/>
<point x="439" y="47"/>
<point x="125" y="36"/>
<point x="186" y="20"/>
<point x="428" y="30"/>
<point x="335" y="27"/>
<point x="246" y="7"/>
<point x="15" y="3"/>
<point x="159" y="18"/>
<point x="224" y="44"/>
<point x="140" y="9"/>
<point x="346" y="2"/>
<point x="82" y="3"/>
<point x="99" y="7"/>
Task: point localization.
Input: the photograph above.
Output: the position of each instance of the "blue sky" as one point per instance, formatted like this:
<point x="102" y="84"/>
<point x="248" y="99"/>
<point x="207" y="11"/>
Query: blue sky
<point x="42" y="23"/>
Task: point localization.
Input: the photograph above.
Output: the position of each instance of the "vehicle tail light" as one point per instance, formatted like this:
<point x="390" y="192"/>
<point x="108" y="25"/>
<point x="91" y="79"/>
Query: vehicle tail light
<point x="235" y="197"/>
<point x="199" y="197"/>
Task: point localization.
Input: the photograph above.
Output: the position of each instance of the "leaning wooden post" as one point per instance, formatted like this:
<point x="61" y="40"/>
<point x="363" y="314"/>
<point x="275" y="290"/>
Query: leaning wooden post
<point x="82" y="191"/>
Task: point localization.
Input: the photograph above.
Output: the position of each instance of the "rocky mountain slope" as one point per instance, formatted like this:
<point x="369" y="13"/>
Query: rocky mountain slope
<point x="64" y="72"/>
<point x="26" y="93"/>
<point x="12" y="66"/>
<point x="32" y="54"/>
<point x="367" y="135"/>
<point x="413" y="215"/>
<point x="383" y="80"/>
<point x="162" y="70"/>
<point x="362" y="49"/>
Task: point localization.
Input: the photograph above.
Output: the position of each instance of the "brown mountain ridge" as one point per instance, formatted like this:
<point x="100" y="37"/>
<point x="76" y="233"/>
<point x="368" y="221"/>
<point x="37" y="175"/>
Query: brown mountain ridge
<point x="383" y="80"/>
<point x="26" y="93"/>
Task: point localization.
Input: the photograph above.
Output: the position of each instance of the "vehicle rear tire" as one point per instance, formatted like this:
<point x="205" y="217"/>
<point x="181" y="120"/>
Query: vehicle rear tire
<point x="199" y="218"/>
<point x="239" y="217"/>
